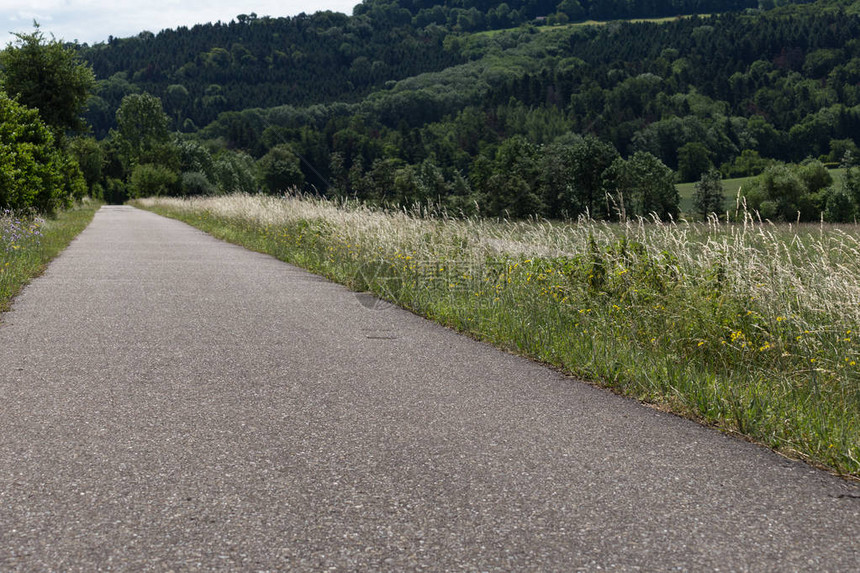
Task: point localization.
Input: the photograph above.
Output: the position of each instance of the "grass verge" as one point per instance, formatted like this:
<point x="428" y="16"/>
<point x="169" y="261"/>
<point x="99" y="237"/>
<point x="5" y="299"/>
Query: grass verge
<point x="28" y="244"/>
<point x="748" y="327"/>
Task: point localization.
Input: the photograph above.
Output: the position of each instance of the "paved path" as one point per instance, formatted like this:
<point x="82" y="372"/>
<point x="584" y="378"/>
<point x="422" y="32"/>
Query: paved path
<point x="171" y="402"/>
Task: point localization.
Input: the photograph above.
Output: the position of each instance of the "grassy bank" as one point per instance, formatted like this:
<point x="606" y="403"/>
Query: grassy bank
<point x="28" y="243"/>
<point x="748" y="327"/>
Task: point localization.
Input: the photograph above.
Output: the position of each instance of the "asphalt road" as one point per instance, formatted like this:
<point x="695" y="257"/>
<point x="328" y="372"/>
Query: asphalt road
<point x="172" y="402"/>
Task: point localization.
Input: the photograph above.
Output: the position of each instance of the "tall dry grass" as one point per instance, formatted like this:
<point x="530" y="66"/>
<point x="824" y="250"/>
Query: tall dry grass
<point x="749" y="326"/>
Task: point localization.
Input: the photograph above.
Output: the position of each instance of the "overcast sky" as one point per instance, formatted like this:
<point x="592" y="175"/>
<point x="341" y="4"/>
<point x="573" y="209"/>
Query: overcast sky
<point x="92" y="21"/>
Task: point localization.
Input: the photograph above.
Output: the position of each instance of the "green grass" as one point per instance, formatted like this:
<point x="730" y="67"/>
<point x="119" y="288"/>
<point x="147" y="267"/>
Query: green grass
<point x="28" y="244"/>
<point x="730" y="190"/>
<point x="584" y="24"/>
<point x="748" y="327"/>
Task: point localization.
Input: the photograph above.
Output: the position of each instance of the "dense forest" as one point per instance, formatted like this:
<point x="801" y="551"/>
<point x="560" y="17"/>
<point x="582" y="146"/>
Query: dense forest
<point x="323" y="57"/>
<point x="414" y="102"/>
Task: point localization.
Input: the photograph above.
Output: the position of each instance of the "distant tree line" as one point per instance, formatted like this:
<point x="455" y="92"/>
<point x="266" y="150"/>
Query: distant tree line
<point x="576" y="120"/>
<point x="735" y="93"/>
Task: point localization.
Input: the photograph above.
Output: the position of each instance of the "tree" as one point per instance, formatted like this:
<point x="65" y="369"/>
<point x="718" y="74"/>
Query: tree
<point x="814" y="175"/>
<point x="90" y="157"/>
<point x="642" y="185"/>
<point x="31" y="167"/>
<point x="195" y="158"/>
<point x="694" y="159"/>
<point x="176" y="96"/>
<point x="196" y="183"/>
<point x="708" y="197"/>
<point x="843" y="151"/>
<point x="838" y="206"/>
<point x="141" y="132"/>
<point x="511" y="188"/>
<point x="236" y="172"/>
<point x="749" y="162"/>
<point x="851" y="184"/>
<point x="280" y="169"/>
<point x="47" y="76"/>
<point x="591" y="158"/>
<point x="572" y="9"/>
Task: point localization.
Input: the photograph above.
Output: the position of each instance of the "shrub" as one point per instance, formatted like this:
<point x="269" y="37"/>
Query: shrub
<point x="149" y="180"/>
<point x="31" y="167"/>
<point x="838" y="206"/>
<point x="196" y="183"/>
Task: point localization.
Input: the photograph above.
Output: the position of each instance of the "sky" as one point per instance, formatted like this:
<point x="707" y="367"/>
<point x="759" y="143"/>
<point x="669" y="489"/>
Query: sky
<point x="92" y="21"/>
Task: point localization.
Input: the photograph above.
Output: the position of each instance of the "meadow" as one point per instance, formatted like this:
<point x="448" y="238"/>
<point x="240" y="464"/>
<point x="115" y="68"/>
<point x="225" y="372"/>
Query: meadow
<point x="687" y="191"/>
<point x="28" y="243"/>
<point x="749" y="327"/>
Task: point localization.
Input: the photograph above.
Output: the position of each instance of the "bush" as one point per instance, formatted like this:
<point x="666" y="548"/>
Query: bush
<point x="149" y="180"/>
<point x="196" y="183"/>
<point x="839" y="208"/>
<point x="32" y="169"/>
<point x="776" y="193"/>
<point x="236" y="173"/>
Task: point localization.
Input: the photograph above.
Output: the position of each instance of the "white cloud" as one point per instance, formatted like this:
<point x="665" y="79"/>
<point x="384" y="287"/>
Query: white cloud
<point x="92" y="21"/>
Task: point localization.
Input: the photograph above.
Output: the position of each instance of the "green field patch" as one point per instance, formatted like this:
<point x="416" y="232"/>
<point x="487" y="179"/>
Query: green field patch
<point x="733" y="189"/>
<point x="586" y="24"/>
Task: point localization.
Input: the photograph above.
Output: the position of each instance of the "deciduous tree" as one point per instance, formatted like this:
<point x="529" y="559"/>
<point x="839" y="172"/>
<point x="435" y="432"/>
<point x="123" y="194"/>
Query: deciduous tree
<point x="49" y="77"/>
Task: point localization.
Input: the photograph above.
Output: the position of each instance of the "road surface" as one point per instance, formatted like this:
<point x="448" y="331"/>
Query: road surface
<point x="172" y="402"/>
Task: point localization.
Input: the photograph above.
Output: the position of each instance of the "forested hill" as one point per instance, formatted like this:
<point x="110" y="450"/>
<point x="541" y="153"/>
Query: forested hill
<point x="263" y="62"/>
<point x="533" y="120"/>
<point x="477" y="15"/>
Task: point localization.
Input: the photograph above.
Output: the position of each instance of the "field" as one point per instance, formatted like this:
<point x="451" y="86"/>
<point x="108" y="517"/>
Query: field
<point x="730" y="193"/>
<point x="749" y="327"/>
<point x="585" y="23"/>
<point x="730" y="190"/>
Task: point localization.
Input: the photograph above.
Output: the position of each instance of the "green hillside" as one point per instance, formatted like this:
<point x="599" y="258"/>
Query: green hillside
<point x="408" y="103"/>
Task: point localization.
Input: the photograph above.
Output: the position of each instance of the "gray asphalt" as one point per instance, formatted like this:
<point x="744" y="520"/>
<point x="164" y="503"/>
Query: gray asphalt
<point x="172" y="402"/>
